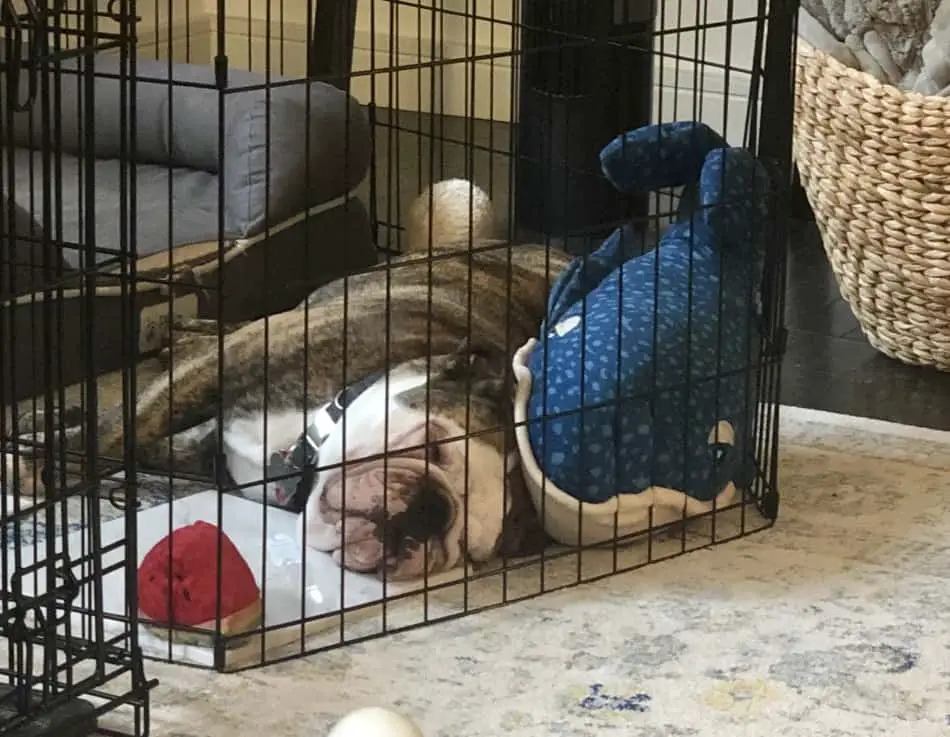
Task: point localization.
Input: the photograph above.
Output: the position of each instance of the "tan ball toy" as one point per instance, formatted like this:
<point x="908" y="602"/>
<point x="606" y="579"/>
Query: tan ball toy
<point x="449" y="213"/>
<point x="374" y="721"/>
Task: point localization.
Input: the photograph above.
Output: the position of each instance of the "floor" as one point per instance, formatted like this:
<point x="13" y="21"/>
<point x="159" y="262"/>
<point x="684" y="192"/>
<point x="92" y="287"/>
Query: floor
<point x="830" y="366"/>
<point x="831" y="623"/>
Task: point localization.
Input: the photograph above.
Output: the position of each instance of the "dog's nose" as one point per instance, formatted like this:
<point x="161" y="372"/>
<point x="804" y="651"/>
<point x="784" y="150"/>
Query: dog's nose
<point x="427" y="516"/>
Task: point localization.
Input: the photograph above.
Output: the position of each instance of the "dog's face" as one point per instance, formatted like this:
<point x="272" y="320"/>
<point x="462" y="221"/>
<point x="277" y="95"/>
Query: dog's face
<point x="428" y="477"/>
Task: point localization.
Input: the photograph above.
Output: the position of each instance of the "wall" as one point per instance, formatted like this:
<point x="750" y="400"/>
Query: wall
<point x="262" y="33"/>
<point x="177" y="29"/>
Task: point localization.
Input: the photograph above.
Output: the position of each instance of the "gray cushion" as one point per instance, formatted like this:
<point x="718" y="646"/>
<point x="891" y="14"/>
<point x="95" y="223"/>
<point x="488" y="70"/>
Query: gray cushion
<point x="269" y="170"/>
<point x="188" y="213"/>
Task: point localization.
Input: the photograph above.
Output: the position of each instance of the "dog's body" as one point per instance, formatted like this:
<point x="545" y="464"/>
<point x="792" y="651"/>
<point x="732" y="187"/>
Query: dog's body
<point x="349" y="329"/>
<point x="442" y="330"/>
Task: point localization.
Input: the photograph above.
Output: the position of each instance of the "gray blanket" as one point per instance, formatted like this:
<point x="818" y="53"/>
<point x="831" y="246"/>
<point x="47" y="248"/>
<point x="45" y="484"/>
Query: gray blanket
<point x="905" y="43"/>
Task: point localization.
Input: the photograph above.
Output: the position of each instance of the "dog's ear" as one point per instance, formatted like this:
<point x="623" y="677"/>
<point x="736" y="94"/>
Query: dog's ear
<point x="522" y="533"/>
<point x="476" y="361"/>
<point x="483" y="366"/>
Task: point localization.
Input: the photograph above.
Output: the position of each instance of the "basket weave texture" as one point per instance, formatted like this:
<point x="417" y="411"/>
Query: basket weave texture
<point x="875" y="164"/>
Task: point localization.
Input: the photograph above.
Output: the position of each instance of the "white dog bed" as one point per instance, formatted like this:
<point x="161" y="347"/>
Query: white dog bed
<point x="571" y="522"/>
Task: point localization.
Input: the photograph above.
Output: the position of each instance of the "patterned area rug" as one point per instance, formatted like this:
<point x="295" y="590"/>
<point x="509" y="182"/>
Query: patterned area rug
<point x="833" y="623"/>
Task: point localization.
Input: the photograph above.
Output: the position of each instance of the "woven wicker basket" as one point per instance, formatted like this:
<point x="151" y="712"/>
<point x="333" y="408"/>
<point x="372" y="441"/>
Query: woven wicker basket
<point x="875" y="164"/>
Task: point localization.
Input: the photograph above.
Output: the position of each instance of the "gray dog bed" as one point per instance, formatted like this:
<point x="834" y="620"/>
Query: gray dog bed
<point x="278" y="186"/>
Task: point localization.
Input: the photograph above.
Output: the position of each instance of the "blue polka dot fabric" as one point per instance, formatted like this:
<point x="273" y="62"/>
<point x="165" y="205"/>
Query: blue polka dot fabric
<point x="640" y="358"/>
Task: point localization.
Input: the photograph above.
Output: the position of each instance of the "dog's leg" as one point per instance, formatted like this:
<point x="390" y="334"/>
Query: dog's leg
<point x="28" y="472"/>
<point x="191" y="451"/>
<point x="205" y="326"/>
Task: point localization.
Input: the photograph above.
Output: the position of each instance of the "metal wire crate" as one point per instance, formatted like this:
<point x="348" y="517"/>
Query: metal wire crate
<point x="322" y="127"/>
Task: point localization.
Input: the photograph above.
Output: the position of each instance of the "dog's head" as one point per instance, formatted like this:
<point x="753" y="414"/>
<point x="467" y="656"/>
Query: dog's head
<point x="429" y="474"/>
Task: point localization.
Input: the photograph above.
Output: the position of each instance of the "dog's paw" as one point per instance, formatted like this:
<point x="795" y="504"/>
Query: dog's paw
<point x="22" y="476"/>
<point x="24" y="457"/>
<point x="24" y="446"/>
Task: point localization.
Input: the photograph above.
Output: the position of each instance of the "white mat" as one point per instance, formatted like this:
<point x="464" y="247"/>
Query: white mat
<point x="305" y="614"/>
<point x="286" y="590"/>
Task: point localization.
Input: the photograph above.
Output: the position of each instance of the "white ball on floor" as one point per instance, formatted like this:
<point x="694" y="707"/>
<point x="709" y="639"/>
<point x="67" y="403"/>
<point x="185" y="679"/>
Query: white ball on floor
<point x="374" y="721"/>
<point x="451" y="212"/>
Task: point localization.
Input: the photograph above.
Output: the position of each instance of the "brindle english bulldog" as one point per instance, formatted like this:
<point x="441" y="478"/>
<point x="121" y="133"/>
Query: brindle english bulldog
<point x="425" y="479"/>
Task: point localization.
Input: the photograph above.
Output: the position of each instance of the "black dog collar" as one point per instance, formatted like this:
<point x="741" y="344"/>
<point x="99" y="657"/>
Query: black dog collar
<point x="303" y="456"/>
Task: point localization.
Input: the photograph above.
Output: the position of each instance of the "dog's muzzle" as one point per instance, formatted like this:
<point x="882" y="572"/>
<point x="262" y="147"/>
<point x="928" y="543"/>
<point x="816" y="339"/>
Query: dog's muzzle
<point x="393" y="516"/>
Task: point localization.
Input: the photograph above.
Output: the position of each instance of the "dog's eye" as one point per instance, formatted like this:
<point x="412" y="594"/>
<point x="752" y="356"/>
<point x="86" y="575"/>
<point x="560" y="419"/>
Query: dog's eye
<point x="436" y="453"/>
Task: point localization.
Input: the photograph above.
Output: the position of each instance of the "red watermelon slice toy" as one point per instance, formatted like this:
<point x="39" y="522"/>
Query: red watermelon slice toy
<point x="178" y="586"/>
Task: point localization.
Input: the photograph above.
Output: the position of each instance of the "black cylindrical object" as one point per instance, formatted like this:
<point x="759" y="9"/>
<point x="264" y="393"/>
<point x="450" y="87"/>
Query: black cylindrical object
<point x="586" y="77"/>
